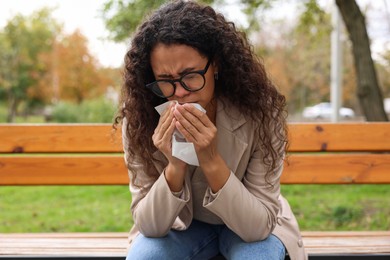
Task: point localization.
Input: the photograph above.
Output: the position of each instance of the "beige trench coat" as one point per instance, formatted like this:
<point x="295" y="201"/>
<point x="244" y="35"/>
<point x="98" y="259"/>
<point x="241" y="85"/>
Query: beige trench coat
<point x="245" y="204"/>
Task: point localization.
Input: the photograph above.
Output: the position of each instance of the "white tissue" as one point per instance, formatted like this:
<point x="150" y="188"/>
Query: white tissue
<point x="181" y="149"/>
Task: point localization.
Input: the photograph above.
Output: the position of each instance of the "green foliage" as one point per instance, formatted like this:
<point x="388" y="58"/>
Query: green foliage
<point x="89" y="111"/>
<point x="40" y="64"/>
<point x="3" y="113"/>
<point x="122" y="17"/>
<point x="252" y="9"/>
<point x="65" y="112"/>
<point x="311" y="59"/>
<point x="299" y="61"/>
<point x="22" y="41"/>
<point x="311" y="18"/>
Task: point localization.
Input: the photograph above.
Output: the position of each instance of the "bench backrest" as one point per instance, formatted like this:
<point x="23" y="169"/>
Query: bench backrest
<point x="91" y="154"/>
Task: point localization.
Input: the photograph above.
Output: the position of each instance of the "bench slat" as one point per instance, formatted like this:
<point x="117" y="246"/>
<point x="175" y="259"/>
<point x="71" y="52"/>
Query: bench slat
<point x="337" y="169"/>
<point x="63" y="170"/>
<point x="373" y="136"/>
<point x="64" y="244"/>
<point x="346" y="234"/>
<point x="99" y="137"/>
<point x="59" y="138"/>
<point x="93" y="170"/>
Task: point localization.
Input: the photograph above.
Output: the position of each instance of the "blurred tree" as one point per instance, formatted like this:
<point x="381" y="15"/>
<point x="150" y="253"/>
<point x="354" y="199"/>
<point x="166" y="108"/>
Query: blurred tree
<point x="309" y="55"/>
<point x="41" y="65"/>
<point x="5" y="71"/>
<point x="368" y="90"/>
<point x="74" y="73"/>
<point x="298" y="60"/>
<point x="123" y="16"/>
<point x="23" y="40"/>
<point x="384" y="73"/>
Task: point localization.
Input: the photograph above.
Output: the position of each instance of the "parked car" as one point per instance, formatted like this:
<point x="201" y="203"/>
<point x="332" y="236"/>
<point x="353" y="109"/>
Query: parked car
<point x="324" y="110"/>
<point x="386" y="103"/>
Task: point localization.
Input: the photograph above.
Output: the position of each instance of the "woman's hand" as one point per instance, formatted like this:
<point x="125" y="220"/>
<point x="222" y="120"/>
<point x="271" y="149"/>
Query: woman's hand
<point x="197" y="128"/>
<point x="162" y="139"/>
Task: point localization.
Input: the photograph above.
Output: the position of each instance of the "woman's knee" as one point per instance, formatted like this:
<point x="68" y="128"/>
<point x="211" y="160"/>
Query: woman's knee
<point x="233" y="247"/>
<point x="148" y="248"/>
<point x="197" y="242"/>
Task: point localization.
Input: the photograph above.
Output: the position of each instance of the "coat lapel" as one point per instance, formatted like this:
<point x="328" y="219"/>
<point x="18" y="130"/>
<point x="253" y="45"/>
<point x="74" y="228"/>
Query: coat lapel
<point x="230" y="146"/>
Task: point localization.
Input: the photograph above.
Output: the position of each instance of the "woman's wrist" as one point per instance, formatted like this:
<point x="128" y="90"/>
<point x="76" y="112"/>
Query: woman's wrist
<point x="210" y="162"/>
<point x="216" y="172"/>
<point x="177" y="165"/>
<point x="174" y="175"/>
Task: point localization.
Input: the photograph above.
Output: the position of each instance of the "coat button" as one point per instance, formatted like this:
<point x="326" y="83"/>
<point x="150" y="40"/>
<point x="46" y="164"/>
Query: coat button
<point x="279" y="221"/>
<point x="300" y="243"/>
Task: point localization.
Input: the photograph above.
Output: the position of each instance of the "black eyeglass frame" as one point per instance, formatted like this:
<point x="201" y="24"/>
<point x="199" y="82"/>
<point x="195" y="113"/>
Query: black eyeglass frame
<point x="172" y="81"/>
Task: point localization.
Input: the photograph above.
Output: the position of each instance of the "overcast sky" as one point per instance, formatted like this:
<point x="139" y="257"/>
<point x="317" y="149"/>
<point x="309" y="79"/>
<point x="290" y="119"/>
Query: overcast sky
<point x="84" y="14"/>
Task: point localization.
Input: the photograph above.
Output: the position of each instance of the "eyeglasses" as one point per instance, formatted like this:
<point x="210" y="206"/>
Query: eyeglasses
<point x="192" y="81"/>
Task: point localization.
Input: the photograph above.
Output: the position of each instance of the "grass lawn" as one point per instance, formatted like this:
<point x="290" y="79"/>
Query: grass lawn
<point x="64" y="209"/>
<point x="340" y="207"/>
<point x="107" y="208"/>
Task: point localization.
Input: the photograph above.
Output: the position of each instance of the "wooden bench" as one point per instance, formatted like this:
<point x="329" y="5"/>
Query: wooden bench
<point x="325" y="153"/>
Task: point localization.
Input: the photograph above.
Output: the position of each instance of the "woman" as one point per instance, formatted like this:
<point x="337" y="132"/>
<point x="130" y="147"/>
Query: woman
<point x="230" y="204"/>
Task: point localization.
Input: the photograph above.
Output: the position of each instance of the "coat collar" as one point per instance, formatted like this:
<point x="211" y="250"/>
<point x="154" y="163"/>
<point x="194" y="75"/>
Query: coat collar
<point x="228" y="116"/>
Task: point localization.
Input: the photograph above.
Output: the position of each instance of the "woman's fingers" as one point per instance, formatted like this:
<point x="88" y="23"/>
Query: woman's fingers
<point x="164" y="121"/>
<point x="192" y="123"/>
<point x="163" y="133"/>
<point x="195" y="126"/>
<point x="187" y="135"/>
<point x="190" y="110"/>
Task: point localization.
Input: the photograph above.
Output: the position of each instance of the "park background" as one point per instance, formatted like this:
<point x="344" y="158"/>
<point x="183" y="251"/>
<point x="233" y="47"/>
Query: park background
<point x="60" y="66"/>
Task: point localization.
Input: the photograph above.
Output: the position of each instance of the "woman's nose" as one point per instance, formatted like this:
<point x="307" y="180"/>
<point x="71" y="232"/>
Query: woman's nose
<point x="180" y="90"/>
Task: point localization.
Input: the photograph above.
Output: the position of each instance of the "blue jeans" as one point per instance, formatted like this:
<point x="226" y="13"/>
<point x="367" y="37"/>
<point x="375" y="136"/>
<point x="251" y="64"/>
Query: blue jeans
<point x="204" y="241"/>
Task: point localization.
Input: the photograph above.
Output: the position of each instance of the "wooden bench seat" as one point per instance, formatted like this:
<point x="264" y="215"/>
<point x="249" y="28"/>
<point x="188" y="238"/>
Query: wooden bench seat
<point x="114" y="245"/>
<point x="89" y="154"/>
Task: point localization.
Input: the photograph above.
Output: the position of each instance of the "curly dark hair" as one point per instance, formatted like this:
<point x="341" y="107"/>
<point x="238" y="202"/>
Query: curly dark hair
<point x="242" y="78"/>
